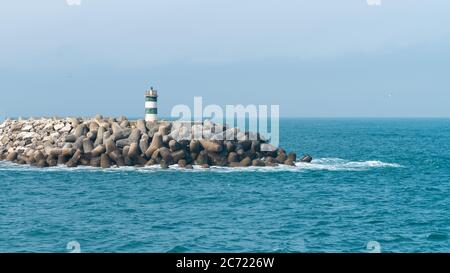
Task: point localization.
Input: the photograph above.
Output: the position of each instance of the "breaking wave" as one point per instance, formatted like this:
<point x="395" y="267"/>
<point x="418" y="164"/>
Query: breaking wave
<point x="321" y="164"/>
<point x="338" y="164"/>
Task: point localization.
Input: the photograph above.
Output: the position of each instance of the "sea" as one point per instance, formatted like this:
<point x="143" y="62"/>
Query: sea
<point x="375" y="185"/>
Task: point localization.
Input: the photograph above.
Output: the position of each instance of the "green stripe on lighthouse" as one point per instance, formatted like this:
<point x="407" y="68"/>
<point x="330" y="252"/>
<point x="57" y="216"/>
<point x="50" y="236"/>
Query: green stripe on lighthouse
<point x="151" y="98"/>
<point x="151" y="111"/>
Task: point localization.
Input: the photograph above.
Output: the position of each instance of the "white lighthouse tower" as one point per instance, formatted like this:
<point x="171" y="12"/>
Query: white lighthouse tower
<point x="151" y="105"/>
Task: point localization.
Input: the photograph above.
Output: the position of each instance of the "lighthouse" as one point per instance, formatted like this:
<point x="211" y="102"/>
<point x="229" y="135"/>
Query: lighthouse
<point x="151" y="105"/>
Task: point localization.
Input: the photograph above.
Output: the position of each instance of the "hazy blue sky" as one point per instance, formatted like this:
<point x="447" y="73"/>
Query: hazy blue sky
<point x="314" y="58"/>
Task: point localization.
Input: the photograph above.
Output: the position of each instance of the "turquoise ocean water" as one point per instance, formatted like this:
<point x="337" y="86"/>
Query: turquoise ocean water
<point x="383" y="180"/>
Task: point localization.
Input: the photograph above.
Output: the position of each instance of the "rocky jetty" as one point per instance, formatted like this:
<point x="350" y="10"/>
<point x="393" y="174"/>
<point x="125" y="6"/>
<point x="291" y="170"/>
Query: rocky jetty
<point x="108" y="142"/>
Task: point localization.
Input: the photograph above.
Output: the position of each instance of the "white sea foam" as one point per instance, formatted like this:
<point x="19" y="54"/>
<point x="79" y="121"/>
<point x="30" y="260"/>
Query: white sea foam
<point x="321" y="164"/>
<point x="338" y="164"/>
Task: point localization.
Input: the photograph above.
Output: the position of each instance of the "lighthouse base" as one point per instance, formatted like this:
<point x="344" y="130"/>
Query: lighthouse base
<point x="151" y="117"/>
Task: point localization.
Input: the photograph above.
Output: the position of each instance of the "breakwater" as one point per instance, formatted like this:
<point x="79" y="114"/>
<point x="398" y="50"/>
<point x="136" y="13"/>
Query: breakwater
<point x="108" y="142"/>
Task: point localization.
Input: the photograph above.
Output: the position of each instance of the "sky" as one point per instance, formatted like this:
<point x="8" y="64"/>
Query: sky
<point x="321" y="58"/>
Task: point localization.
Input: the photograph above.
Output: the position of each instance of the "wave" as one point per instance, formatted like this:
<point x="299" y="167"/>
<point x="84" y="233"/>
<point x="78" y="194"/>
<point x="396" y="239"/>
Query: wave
<point x="338" y="164"/>
<point x="321" y="164"/>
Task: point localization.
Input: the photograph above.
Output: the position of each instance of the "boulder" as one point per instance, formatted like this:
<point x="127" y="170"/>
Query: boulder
<point x="85" y="160"/>
<point x="78" y="144"/>
<point x="27" y="135"/>
<point x="217" y="159"/>
<point x="124" y="124"/>
<point x="42" y="164"/>
<point x="289" y="162"/>
<point x="55" y="152"/>
<point x="233" y="157"/>
<point x="178" y="155"/>
<point x="166" y="155"/>
<point x="245" y="144"/>
<point x="88" y="146"/>
<point x="4" y="140"/>
<point x="80" y="130"/>
<point x="27" y="128"/>
<point x="99" y="138"/>
<point x="140" y="161"/>
<point x="164" y="129"/>
<point x="189" y="159"/>
<point x="194" y="146"/>
<point x="164" y="164"/>
<point x="269" y="160"/>
<point x="116" y="129"/>
<point x="292" y="157"/>
<point x="268" y="148"/>
<point x="134" y="151"/>
<point x="92" y="136"/>
<point x="182" y="133"/>
<point x="143" y="143"/>
<point x="152" y="128"/>
<point x="62" y="160"/>
<point x="166" y="139"/>
<point x="256" y="146"/>
<point x="93" y="127"/>
<point x="156" y="156"/>
<point x="240" y="152"/>
<point x="211" y="146"/>
<point x="250" y="154"/>
<point x="21" y="160"/>
<point x="125" y="151"/>
<point x="128" y="161"/>
<point x="106" y="135"/>
<point x="117" y="157"/>
<point x="154" y="145"/>
<point x="234" y="164"/>
<point x="38" y="156"/>
<point x="122" y="143"/>
<point x="74" y="122"/>
<point x="230" y="146"/>
<point x="135" y="136"/>
<point x="193" y="156"/>
<point x="70" y="138"/>
<point x="281" y="158"/>
<point x="151" y="162"/>
<point x="12" y="156"/>
<point x="105" y="161"/>
<point x="125" y="133"/>
<point x="306" y="159"/>
<point x="182" y="163"/>
<point x="122" y="119"/>
<point x="231" y="133"/>
<point x="73" y="162"/>
<point x="97" y="151"/>
<point x="58" y="126"/>
<point x="174" y="145"/>
<point x="66" y="129"/>
<point x="52" y="161"/>
<point x="68" y="152"/>
<point x="140" y="124"/>
<point x="258" y="163"/>
<point x="202" y="158"/>
<point x="246" y="162"/>
<point x="110" y="145"/>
